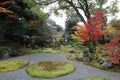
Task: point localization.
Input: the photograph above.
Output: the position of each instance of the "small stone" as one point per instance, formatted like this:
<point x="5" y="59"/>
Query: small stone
<point x="6" y="55"/>
<point x="71" y="51"/>
<point x="90" y="57"/>
<point x="80" y="58"/>
<point x="86" y="59"/>
<point x="101" y="61"/>
<point x="107" y="64"/>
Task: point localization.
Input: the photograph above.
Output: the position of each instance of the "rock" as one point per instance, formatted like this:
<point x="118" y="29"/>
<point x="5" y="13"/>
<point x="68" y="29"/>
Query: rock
<point x="6" y="55"/>
<point x="86" y="59"/>
<point x="72" y="51"/>
<point x="22" y="53"/>
<point x="28" y="46"/>
<point x="80" y="58"/>
<point x="107" y="64"/>
<point x="101" y="61"/>
<point x="90" y="57"/>
<point x="36" y="46"/>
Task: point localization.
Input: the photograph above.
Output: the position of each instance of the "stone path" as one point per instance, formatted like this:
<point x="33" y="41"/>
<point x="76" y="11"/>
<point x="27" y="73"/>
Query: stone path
<point x="80" y="72"/>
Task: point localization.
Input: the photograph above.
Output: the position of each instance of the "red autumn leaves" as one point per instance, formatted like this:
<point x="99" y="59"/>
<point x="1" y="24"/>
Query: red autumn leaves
<point x="113" y="49"/>
<point x="92" y="30"/>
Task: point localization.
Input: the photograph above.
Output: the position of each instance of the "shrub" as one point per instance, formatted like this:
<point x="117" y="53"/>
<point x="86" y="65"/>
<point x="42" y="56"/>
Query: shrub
<point x="14" y="53"/>
<point x="85" y="52"/>
<point x="3" y="51"/>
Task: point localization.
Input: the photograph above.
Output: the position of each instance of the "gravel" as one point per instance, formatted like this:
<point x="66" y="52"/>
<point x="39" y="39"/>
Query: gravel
<point x="81" y="71"/>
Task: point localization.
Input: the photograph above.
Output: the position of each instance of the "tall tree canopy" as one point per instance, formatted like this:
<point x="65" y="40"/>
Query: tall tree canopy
<point x="16" y="8"/>
<point x="85" y="5"/>
<point x="17" y="19"/>
<point x="54" y="25"/>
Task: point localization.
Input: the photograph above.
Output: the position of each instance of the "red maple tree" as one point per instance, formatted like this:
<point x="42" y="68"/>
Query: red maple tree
<point x="113" y="47"/>
<point x="92" y="28"/>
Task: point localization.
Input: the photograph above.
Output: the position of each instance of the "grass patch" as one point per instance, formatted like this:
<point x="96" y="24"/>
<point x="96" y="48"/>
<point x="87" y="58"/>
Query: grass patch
<point x="12" y="65"/>
<point x="50" y="50"/>
<point x="30" y="51"/>
<point x="95" y="79"/>
<point x="50" y="69"/>
<point x="61" y="50"/>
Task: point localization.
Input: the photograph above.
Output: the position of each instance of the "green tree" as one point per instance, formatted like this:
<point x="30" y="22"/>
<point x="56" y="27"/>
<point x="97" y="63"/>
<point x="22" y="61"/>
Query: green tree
<point x="85" y="5"/>
<point x="13" y="14"/>
<point x="53" y="24"/>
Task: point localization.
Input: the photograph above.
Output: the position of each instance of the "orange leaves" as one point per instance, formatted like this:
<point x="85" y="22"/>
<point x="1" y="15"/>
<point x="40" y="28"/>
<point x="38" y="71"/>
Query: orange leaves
<point x="4" y="10"/>
<point x="81" y="32"/>
<point x="89" y="32"/>
<point x="8" y="14"/>
<point x="79" y="27"/>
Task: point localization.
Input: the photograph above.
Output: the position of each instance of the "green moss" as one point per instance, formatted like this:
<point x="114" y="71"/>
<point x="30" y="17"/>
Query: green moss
<point x="95" y="79"/>
<point x="50" y="69"/>
<point x="49" y="50"/>
<point x="30" y="51"/>
<point x="12" y="65"/>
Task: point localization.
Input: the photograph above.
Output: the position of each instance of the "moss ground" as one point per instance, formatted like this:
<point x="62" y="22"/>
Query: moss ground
<point x="95" y="79"/>
<point x="50" y="69"/>
<point x="12" y="65"/>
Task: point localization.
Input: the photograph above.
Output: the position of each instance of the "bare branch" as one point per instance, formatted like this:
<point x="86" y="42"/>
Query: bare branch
<point x="74" y="7"/>
<point x="81" y="5"/>
<point x="86" y="10"/>
<point x="43" y="3"/>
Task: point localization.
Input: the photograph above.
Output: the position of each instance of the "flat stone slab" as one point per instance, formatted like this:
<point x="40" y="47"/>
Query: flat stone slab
<point x="81" y="71"/>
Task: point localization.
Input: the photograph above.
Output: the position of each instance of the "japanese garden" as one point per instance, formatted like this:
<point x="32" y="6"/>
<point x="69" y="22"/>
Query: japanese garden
<point x="33" y="46"/>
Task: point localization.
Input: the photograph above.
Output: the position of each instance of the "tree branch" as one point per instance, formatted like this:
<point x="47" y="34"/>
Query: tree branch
<point x="43" y="3"/>
<point x="74" y="7"/>
<point x="81" y="5"/>
<point x="86" y="10"/>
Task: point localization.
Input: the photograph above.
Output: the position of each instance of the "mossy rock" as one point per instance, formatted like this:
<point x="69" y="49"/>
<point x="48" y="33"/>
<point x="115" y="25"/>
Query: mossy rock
<point x="12" y="65"/>
<point x="95" y="79"/>
<point x="50" y="69"/>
